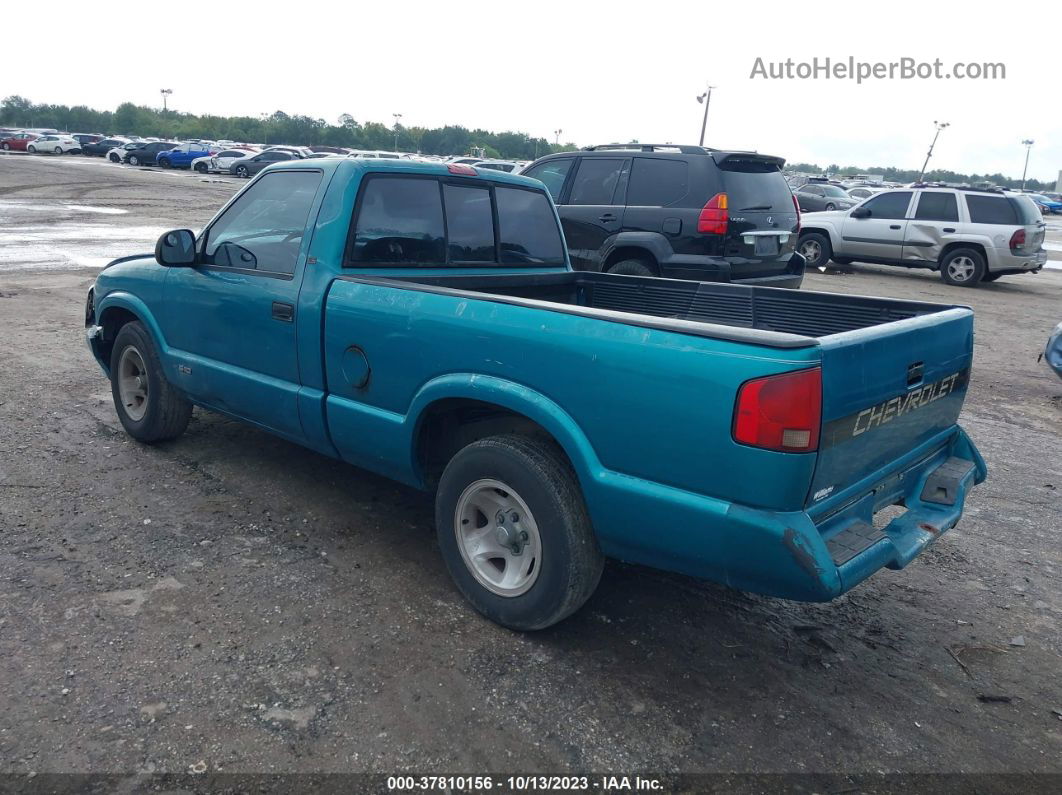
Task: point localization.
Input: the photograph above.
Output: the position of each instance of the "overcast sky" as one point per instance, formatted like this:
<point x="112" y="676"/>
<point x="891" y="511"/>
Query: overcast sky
<point x="601" y="71"/>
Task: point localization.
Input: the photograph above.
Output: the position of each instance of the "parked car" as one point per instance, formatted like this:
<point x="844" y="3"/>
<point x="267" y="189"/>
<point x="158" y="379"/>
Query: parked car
<point x="375" y="154"/>
<point x="18" y="142"/>
<point x="86" y="138"/>
<point x="118" y="153"/>
<point x="1046" y="204"/>
<point x="102" y="147"/>
<point x="681" y="211"/>
<point x="182" y="155"/>
<point x="968" y="235"/>
<point x="58" y="144"/>
<point x="508" y="166"/>
<point x="753" y="453"/>
<point x="817" y="196"/>
<point x="146" y="152"/>
<point x="221" y="162"/>
<point x="252" y="164"/>
<point x="863" y="192"/>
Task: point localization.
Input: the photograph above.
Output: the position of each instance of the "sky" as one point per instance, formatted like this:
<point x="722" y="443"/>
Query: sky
<point x="601" y="72"/>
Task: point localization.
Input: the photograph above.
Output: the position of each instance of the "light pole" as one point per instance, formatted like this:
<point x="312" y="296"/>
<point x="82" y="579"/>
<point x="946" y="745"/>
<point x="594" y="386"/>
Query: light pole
<point x="397" y="117"/>
<point x="1028" y="148"/>
<point x="940" y="125"/>
<point x="165" y="93"/>
<point x="705" y="99"/>
<point x="556" y="134"/>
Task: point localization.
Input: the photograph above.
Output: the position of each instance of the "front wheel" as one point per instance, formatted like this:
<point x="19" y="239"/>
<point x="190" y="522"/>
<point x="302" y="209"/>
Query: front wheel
<point x="134" y="160"/>
<point x="114" y="158"/>
<point x="830" y="206"/>
<point x="31" y="148"/>
<point x="241" y="171"/>
<point x="815" y="248"/>
<point x="7" y="147"/>
<point x="148" y="406"/>
<point x="962" y="267"/>
<point x="514" y="532"/>
<point x="165" y="163"/>
<point x="201" y="168"/>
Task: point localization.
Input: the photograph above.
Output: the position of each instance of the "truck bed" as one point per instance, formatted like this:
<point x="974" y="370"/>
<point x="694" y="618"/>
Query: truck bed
<point x="760" y="315"/>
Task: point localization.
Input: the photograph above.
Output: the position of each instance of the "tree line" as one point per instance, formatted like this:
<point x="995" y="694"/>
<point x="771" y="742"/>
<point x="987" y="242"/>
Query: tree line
<point x="275" y="128"/>
<point x="905" y="176"/>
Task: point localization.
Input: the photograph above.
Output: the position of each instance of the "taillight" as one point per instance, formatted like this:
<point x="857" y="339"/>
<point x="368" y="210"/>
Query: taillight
<point x="796" y="207"/>
<point x="461" y="168"/>
<point x="1017" y="240"/>
<point x="715" y="216"/>
<point x="780" y="412"/>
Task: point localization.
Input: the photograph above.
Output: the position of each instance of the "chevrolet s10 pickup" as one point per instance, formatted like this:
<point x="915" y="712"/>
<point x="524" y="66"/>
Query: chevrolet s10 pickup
<point x="422" y="321"/>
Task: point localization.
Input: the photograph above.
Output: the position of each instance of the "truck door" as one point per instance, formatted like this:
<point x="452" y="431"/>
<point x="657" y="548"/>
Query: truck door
<point x="879" y="234"/>
<point x="231" y="318"/>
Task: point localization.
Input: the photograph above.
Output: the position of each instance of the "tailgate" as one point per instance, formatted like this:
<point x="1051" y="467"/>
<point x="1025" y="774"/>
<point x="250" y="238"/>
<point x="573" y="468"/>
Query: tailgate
<point x="886" y="390"/>
<point x="762" y="228"/>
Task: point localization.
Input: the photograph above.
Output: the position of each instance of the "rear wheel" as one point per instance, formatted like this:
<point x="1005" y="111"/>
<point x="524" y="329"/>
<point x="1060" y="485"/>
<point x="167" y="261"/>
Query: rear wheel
<point x="962" y="267"/>
<point x="31" y="148"/>
<point x="241" y="171"/>
<point x="58" y="150"/>
<point x="114" y="158"/>
<point x="815" y="248"/>
<point x="201" y="168"/>
<point x="514" y="532"/>
<point x="631" y="267"/>
<point x="148" y="406"/>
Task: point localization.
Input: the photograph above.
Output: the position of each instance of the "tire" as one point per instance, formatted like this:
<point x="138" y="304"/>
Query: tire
<point x="134" y="160"/>
<point x="7" y="147"/>
<point x="165" y="163"/>
<point x="148" y="406"/>
<point x="830" y="206"/>
<point x="241" y="171"/>
<point x="962" y="267"/>
<point x="114" y="158"/>
<point x="58" y="150"/>
<point x="816" y="249"/>
<point x="31" y="148"/>
<point x="540" y="507"/>
<point x="201" y="168"/>
<point x="631" y="267"/>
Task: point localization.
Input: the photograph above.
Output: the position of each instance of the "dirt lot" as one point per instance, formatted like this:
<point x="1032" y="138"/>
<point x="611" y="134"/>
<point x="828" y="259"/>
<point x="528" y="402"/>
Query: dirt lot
<point x="234" y="600"/>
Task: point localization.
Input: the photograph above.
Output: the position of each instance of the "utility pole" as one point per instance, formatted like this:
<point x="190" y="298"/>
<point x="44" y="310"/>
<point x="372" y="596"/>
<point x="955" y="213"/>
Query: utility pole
<point x="557" y="134"/>
<point x="397" y="117"/>
<point x="1028" y="148"/>
<point x="705" y="99"/>
<point x="165" y="93"/>
<point x="940" y="125"/>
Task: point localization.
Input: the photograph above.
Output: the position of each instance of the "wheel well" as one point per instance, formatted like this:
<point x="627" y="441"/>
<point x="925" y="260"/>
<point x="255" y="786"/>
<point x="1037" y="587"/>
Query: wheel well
<point x="630" y="252"/>
<point x="451" y="424"/>
<point x="112" y="321"/>
<point x="806" y="229"/>
<point x="952" y="246"/>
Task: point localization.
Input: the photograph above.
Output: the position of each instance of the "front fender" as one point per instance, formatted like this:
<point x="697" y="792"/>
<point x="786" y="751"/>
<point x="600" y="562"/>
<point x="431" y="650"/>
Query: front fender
<point x="120" y="299"/>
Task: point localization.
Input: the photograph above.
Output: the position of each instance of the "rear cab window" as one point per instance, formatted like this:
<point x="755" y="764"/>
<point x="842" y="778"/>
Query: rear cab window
<point x="425" y="221"/>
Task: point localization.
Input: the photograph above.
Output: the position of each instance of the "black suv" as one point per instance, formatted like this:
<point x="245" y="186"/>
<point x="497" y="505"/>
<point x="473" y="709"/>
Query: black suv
<point x="145" y="153"/>
<point x="686" y="212"/>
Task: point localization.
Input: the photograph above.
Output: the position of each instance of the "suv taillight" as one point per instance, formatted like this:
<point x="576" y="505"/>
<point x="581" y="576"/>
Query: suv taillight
<point x="714" y="217"/>
<point x="1017" y="240"/>
<point x="796" y="207"/>
<point x="780" y="412"/>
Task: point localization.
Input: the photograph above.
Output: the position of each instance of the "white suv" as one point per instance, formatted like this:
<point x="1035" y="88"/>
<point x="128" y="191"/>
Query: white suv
<point x="969" y="236"/>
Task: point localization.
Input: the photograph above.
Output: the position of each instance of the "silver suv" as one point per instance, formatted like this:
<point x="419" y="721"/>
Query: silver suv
<point x="970" y="236"/>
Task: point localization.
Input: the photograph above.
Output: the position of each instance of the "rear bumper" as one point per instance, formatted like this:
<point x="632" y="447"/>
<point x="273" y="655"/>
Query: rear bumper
<point x="1003" y="261"/>
<point x="794" y="555"/>
<point x="788" y="270"/>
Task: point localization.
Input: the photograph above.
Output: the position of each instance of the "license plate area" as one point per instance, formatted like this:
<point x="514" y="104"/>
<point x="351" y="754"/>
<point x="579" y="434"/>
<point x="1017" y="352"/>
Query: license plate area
<point x="765" y="245"/>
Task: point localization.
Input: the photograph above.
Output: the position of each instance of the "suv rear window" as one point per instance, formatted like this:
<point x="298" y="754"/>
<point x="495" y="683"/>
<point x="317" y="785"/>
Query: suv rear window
<point x="752" y="184"/>
<point x="656" y="182"/>
<point x="1028" y="212"/>
<point x="992" y="210"/>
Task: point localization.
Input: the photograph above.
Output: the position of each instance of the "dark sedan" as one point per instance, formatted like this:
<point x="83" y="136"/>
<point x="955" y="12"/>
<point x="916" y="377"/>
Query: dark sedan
<point x="815" y="196"/>
<point x="249" y="166"/>
<point x="146" y="152"/>
<point x="101" y="147"/>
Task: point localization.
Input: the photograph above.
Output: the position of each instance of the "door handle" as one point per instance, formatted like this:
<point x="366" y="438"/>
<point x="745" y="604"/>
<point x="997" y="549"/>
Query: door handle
<point x="948" y="229"/>
<point x="894" y="226"/>
<point x="283" y="312"/>
<point x="607" y="217"/>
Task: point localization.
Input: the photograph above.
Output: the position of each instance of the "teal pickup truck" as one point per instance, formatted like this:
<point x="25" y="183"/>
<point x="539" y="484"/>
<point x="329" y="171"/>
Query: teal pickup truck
<point x="422" y="321"/>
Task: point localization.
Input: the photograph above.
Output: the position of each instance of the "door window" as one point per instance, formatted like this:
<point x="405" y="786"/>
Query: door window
<point x="263" y="229"/>
<point x="656" y="182"/>
<point x="937" y="207"/>
<point x="889" y="205"/>
<point x="596" y="180"/>
<point x="552" y="175"/>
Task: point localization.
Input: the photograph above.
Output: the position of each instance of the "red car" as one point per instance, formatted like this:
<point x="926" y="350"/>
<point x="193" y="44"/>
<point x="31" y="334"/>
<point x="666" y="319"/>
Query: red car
<point x="19" y="141"/>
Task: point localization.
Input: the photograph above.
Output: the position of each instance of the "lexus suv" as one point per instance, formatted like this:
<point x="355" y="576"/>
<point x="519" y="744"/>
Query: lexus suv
<point x="968" y="235"/>
<point x="686" y="212"/>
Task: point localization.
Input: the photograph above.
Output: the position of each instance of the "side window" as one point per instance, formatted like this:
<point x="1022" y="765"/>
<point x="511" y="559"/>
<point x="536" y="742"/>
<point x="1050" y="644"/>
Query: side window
<point x="596" y="179"/>
<point x="400" y="220"/>
<point x="937" y="207"/>
<point x="657" y="182"/>
<point x="469" y="223"/>
<point x="552" y="175"/>
<point x="813" y="190"/>
<point x="527" y="228"/>
<point x="263" y="229"/>
<point x="991" y="210"/>
<point x="889" y="205"/>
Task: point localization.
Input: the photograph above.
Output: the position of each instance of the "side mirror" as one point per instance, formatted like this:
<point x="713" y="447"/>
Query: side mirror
<point x="860" y="212"/>
<point x="176" y="249"/>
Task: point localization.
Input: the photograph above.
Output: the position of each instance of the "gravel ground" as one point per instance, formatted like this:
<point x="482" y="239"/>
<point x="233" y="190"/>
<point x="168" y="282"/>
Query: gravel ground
<point x="232" y="601"/>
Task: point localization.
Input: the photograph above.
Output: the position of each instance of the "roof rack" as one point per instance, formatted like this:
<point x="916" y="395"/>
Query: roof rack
<point x="633" y="147"/>
<point x="955" y="187"/>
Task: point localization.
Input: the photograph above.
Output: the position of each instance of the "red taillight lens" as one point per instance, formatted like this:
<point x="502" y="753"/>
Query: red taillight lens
<point x="715" y="216"/>
<point x="1017" y="240"/>
<point x="780" y="412"/>
<point x="796" y="208"/>
<point x="461" y="168"/>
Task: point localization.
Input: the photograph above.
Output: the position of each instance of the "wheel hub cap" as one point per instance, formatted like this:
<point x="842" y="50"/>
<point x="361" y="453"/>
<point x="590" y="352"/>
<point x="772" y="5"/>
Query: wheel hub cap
<point x="498" y="537"/>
